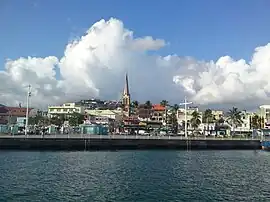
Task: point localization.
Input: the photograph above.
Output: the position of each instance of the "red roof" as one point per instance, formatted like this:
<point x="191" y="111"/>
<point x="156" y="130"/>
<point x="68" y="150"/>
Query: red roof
<point x="158" y="107"/>
<point x="17" y="111"/>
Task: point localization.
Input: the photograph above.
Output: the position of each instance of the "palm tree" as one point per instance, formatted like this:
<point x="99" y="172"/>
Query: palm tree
<point x="148" y="104"/>
<point x="256" y="122"/>
<point x="220" y="121"/>
<point x="208" y="117"/>
<point x="135" y="103"/>
<point x="164" y="103"/>
<point x="173" y="121"/>
<point x="195" y="121"/>
<point x="175" y="107"/>
<point x="148" y="108"/>
<point x="234" y="117"/>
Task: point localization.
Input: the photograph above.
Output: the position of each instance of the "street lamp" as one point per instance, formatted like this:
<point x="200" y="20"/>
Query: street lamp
<point x="27" y="109"/>
<point x="185" y="103"/>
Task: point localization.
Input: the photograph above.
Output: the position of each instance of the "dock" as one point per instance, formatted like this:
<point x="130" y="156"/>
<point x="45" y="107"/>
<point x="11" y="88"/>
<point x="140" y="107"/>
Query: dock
<point x="119" y="142"/>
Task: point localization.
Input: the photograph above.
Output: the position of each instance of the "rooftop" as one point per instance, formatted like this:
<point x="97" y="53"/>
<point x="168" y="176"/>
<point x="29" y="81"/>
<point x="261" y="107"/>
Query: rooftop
<point x="158" y="107"/>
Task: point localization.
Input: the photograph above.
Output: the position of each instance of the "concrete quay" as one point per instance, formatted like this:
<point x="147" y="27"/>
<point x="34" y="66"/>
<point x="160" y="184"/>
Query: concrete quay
<point x="117" y="142"/>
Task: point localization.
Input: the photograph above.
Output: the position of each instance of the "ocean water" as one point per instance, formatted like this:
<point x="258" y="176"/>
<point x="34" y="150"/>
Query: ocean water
<point x="141" y="176"/>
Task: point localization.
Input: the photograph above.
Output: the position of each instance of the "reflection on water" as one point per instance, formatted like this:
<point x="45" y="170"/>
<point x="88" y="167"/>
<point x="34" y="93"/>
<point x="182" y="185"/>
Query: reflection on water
<point x="135" y="176"/>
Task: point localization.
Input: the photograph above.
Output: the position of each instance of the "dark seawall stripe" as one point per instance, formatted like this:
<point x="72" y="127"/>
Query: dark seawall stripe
<point x="122" y="144"/>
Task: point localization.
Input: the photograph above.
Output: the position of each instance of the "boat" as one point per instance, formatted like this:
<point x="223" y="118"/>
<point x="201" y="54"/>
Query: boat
<point x="265" y="144"/>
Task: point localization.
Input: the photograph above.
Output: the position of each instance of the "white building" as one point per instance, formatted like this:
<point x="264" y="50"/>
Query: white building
<point x="65" y="109"/>
<point x="181" y="114"/>
<point x="111" y="114"/>
<point x="265" y="114"/>
<point x="245" y="125"/>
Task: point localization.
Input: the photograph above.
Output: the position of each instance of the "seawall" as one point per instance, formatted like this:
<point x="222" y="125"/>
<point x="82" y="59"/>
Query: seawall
<point x="23" y="143"/>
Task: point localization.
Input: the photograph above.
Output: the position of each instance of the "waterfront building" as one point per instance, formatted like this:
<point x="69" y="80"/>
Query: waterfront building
<point x="21" y="121"/>
<point x="9" y="115"/>
<point x="65" y="109"/>
<point x="181" y="115"/>
<point x="126" y="98"/>
<point x="217" y="114"/>
<point x="3" y="115"/>
<point x="158" y="113"/>
<point x="265" y="114"/>
<point x="144" y="113"/>
<point x="111" y="114"/>
<point x="245" y="126"/>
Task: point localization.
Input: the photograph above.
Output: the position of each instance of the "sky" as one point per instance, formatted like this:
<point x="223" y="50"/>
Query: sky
<point x="214" y="52"/>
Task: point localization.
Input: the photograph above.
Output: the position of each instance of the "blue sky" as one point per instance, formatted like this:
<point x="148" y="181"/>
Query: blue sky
<point x="203" y="29"/>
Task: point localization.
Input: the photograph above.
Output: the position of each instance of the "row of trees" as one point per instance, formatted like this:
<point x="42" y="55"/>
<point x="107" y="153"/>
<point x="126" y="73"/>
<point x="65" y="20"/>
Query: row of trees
<point x="74" y="119"/>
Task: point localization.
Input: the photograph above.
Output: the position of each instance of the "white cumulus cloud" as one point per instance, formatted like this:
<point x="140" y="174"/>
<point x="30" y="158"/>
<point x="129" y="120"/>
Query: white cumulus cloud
<point x="94" y="65"/>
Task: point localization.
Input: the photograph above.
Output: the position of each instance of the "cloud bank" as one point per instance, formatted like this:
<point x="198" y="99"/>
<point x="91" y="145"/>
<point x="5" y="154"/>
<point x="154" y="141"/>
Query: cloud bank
<point x="95" y="64"/>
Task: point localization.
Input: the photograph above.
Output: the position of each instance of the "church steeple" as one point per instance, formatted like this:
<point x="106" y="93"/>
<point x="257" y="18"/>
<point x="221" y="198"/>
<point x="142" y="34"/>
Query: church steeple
<point x="126" y="88"/>
<point x="126" y="97"/>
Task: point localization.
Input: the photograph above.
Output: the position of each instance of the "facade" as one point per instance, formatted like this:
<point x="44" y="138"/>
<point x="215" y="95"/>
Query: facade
<point x="217" y="114"/>
<point x="158" y="113"/>
<point x="18" y="111"/>
<point x="111" y="114"/>
<point x="181" y="114"/>
<point x="265" y="114"/>
<point x="4" y="115"/>
<point x="65" y="109"/>
<point x="103" y="120"/>
<point x="9" y="115"/>
<point x="21" y="121"/>
<point x="246" y="122"/>
<point x="144" y="113"/>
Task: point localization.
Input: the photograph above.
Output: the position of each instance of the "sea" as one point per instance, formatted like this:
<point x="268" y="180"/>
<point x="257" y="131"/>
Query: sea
<point x="141" y="176"/>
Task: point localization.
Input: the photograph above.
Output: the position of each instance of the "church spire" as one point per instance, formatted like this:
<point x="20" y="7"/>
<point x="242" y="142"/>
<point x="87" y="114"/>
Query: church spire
<point x="126" y="88"/>
<point x="126" y="97"/>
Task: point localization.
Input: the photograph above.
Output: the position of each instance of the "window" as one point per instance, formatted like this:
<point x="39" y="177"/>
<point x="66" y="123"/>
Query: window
<point x="65" y="110"/>
<point x="58" y="110"/>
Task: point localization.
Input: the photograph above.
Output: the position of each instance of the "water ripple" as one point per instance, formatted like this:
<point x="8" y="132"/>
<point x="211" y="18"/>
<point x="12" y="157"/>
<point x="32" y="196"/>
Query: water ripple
<point x="142" y="176"/>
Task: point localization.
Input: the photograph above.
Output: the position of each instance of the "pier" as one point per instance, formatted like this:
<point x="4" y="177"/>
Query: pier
<point x="120" y="142"/>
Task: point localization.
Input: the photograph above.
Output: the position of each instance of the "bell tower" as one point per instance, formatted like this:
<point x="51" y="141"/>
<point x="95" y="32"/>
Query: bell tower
<point x="126" y="97"/>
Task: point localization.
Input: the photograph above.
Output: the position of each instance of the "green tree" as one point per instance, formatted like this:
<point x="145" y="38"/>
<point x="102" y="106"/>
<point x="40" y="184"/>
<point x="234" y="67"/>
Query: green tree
<point x="175" y="107"/>
<point x="234" y="117"/>
<point x="164" y="103"/>
<point x="256" y="122"/>
<point x="36" y="120"/>
<point x="75" y="119"/>
<point x="195" y="121"/>
<point x="148" y="104"/>
<point x="57" y="120"/>
<point x="173" y="122"/>
<point x="220" y="120"/>
<point x="135" y="104"/>
<point x="208" y="117"/>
